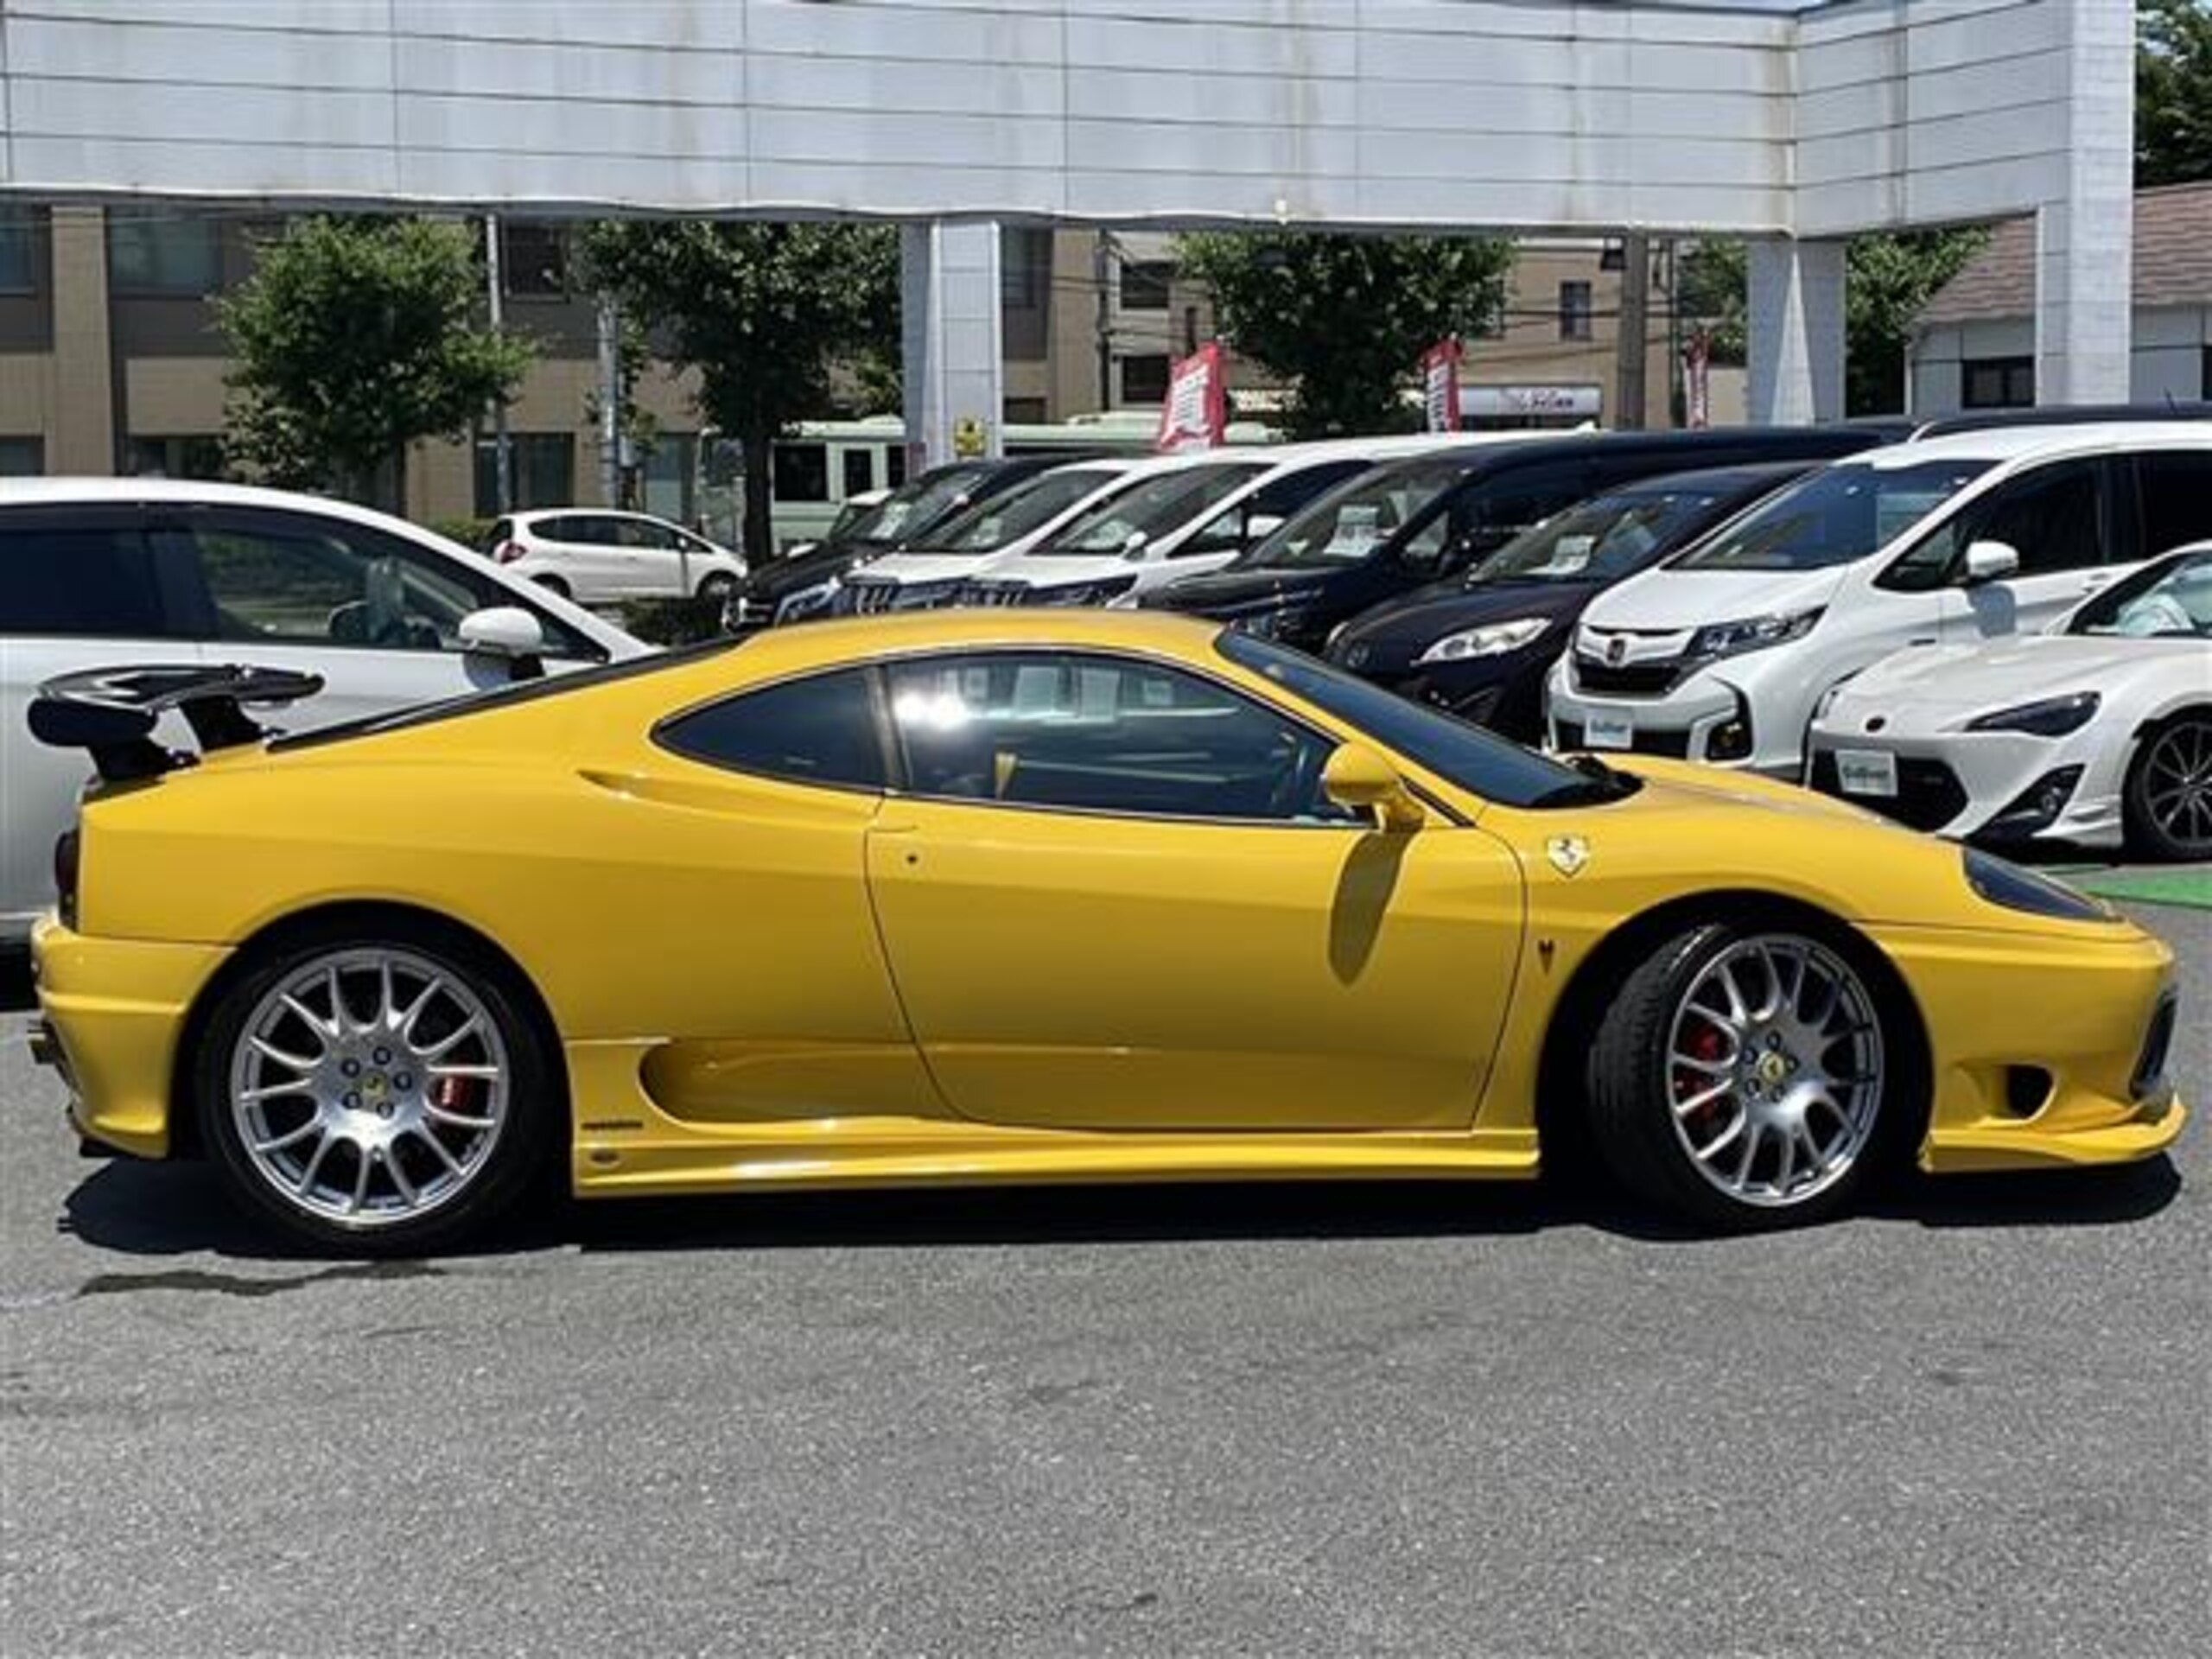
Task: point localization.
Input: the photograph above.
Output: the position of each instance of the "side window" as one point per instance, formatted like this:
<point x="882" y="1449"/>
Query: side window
<point x="1491" y="514"/>
<point x="2052" y="515"/>
<point x="575" y="530"/>
<point x="1103" y="734"/>
<point x="68" y="579"/>
<point x="643" y="533"/>
<point x="817" y="730"/>
<point x="2173" y="492"/>
<point x="857" y="469"/>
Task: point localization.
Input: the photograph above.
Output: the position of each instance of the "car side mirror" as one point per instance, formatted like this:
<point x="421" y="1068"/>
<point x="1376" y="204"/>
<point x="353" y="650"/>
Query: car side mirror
<point x="508" y="634"/>
<point x="1360" y="780"/>
<point x="1134" y="547"/>
<point x="1990" y="562"/>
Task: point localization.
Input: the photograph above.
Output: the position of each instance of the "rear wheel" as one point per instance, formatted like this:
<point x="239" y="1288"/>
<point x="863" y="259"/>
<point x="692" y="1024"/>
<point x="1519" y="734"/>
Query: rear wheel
<point x="1742" y="1075"/>
<point x="2168" y="800"/>
<point x="385" y="1096"/>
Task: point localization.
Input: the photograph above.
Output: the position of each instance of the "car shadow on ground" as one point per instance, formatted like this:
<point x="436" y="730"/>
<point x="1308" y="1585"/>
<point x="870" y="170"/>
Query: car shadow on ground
<point x="159" y="1209"/>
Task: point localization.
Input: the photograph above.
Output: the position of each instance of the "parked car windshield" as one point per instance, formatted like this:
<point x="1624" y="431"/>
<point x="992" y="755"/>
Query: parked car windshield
<point x="1150" y="509"/>
<point x="913" y="506"/>
<point x="1005" y="519"/>
<point x="2166" y="601"/>
<point x="1347" y="524"/>
<point x="1480" y="762"/>
<point x="1604" y="537"/>
<point x="1832" y="517"/>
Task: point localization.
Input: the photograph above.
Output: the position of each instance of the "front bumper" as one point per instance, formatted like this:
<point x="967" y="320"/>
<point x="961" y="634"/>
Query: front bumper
<point x="1679" y="723"/>
<point x="2038" y="1046"/>
<point x="113" y="1012"/>
<point x="1956" y="785"/>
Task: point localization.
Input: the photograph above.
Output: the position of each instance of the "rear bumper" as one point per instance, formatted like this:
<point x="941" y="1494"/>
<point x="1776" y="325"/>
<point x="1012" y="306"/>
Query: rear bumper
<point x="113" y="1014"/>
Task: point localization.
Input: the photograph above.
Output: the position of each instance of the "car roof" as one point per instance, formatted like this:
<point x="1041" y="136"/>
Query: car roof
<point x="1749" y="475"/>
<point x="1577" y="446"/>
<point x="2001" y="444"/>
<point x="531" y="514"/>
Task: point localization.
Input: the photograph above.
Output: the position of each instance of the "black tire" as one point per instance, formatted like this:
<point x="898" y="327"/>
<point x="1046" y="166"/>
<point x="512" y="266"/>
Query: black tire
<point x="2176" y="755"/>
<point x="1634" y="1078"/>
<point x="532" y="1125"/>
<point x="554" y="585"/>
<point x="715" y="589"/>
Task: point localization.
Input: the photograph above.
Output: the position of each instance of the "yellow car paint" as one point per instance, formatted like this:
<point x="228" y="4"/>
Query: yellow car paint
<point x="759" y="983"/>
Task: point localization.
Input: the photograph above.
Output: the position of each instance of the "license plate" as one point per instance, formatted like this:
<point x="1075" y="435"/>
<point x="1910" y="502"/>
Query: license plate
<point x="1866" y="772"/>
<point x="1607" y="731"/>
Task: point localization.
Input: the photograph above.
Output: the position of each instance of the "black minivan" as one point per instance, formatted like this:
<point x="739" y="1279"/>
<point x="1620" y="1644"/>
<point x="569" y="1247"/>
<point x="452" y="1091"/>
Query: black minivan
<point x="1406" y="524"/>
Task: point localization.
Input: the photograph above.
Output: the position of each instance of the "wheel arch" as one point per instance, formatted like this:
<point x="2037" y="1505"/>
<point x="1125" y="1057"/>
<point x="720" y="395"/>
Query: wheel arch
<point x="335" y="919"/>
<point x="1561" y="1121"/>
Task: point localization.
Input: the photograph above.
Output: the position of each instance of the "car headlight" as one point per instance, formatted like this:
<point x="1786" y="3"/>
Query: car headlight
<point x="1752" y="633"/>
<point x="807" y="601"/>
<point x="2005" y="884"/>
<point x="2046" y="717"/>
<point x="1492" y="639"/>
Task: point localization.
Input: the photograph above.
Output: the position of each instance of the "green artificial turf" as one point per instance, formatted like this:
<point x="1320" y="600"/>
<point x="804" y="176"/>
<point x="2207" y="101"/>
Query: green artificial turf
<point x="2190" y="884"/>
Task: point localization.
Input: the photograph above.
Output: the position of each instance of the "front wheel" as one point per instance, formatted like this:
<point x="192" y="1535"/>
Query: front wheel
<point x="2168" y="798"/>
<point x="384" y="1095"/>
<point x="717" y="588"/>
<point x="1743" y="1076"/>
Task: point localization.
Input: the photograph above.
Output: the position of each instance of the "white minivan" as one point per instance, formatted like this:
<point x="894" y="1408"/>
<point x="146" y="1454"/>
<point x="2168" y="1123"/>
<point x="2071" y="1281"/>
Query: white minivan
<point x="1724" y="652"/>
<point x="101" y="572"/>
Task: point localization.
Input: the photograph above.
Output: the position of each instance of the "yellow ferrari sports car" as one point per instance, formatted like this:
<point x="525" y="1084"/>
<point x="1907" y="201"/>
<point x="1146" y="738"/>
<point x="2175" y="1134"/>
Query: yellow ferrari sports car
<point x="1030" y="896"/>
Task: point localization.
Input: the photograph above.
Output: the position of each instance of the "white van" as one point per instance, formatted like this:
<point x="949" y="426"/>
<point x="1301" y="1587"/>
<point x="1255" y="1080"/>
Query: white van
<point x="1723" y="653"/>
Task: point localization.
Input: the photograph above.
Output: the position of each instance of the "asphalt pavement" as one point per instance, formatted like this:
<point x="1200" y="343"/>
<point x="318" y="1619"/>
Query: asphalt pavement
<point x="1431" y="1420"/>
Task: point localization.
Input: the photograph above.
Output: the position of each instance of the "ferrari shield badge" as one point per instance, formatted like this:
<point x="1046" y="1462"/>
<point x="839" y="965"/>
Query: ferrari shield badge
<point x="1569" y="853"/>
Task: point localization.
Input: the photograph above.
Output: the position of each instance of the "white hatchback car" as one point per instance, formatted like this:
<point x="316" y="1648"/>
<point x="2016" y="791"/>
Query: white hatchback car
<point x="595" y="554"/>
<point x="1723" y="653"/>
<point x="2096" y="732"/>
<point x="100" y="572"/>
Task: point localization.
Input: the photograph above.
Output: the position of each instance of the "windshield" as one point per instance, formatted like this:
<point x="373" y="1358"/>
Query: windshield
<point x="2167" y="601"/>
<point x="913" y="506"/>
<point x="1480" y="762"/>
<point x="1604" y="538"/>
<point x="1149" y="509"/>
<point x="1347" y="524"/>
<point x="1832" y="517"/>
<point x="1005" y="519"/>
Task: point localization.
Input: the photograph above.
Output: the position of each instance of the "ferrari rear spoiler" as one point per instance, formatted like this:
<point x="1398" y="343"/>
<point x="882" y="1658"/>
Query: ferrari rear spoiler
<point x="111" y="712"/>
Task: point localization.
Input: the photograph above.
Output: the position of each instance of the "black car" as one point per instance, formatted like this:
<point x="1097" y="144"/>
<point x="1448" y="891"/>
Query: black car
<point x="1407" y="524"/>
<point x="1479" y="644"/>
<point x="915" y="508"/>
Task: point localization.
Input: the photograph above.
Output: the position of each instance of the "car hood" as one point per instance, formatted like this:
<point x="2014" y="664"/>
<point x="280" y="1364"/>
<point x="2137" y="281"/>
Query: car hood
<point x="1420" y="619"/>
<point x="921" y="565"/>
<point x="1912" y="686"/>
<point x="781" y="578"/>
<point x="1669" y="600"/>
<point x="1254" y="588"/>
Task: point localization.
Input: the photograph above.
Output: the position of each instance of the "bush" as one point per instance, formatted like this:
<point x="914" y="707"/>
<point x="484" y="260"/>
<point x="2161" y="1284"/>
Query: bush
<point x="672" y="621"/>
<point x="469" y="532"/>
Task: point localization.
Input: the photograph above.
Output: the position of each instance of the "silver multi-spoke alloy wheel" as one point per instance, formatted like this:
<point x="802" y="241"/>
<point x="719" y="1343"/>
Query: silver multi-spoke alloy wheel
<point x="2177" y="783"/>
<point x="1775" y="1070"/>
<point x="369" y="1087"/>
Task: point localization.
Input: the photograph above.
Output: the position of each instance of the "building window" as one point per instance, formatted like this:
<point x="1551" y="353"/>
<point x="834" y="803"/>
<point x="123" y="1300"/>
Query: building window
<point x="19" y="272"/>
<point x="1024" y="266"/>
<point x="1574" y="311"/>
<point x="670" y="465"/>
<point x="802" y="472"/>
<point x="22" y="457"/>
<point x="533" y="261"/>
<point x="163" y="250"/>
<point x="1144" y="284"/>
<point x="198" y="455"/>
<point x="2206" y="374"/>
<point x="1144" y="379"/>
<point x="542" y="468"/>
<point x="1023" y="411"/>
<point x="1999" y="383"/>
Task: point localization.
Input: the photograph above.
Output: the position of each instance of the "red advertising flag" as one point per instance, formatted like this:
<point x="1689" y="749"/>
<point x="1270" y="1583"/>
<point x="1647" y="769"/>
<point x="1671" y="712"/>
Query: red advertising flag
<point x="1439" y="385"/>
<point x="1195" y="414"/>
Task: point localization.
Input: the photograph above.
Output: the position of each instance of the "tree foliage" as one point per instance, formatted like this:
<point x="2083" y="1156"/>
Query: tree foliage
<point x="761" y="311"/>
<point x="1888" y="278"/>
<point x="1344" y="319"/>
<point x="2173" y="92"/>
<point x="355" y="337"/>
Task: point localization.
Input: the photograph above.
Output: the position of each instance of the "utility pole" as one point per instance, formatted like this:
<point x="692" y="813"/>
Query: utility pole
<point x="610" y="403"/>
<point x="502" y="445"/>
<point x="1102" y="276"/>
<point x="1631" y="347"/>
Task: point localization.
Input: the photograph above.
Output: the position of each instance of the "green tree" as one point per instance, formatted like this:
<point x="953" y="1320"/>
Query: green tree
<point x="1888" y="278"/>
<point x="355" y="337"/>
<point x="762" y="311"/>
<point x="2173" y="92"/>
<point x="1344" y="319"/>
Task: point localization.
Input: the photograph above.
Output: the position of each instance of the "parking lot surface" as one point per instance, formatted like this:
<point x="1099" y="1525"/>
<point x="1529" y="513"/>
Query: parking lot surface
<point x="1308" y="1419"/>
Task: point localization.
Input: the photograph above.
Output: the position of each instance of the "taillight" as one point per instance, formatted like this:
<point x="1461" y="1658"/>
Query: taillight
<point x="507" y="552"/>
<point x="68" y="852"/>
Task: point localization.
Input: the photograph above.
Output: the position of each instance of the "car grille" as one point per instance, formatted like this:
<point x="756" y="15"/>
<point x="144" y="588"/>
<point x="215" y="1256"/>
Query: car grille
<point x="2150" y="1077"/>
<point x="997" y="593"/>
<point x="1928" y="794"/>
<point x="867" y="596"/>
<point x="1676" y="744"/>
<point x="1632" y="679"/>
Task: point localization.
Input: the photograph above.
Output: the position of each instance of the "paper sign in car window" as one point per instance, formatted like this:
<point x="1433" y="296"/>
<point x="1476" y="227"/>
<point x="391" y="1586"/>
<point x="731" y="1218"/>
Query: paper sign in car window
<point x="1569" y="555"/>
<point x="1356" y="531"/>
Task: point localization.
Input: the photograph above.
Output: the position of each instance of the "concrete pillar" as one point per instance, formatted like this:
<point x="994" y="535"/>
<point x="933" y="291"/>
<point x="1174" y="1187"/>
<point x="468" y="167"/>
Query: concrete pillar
<point x="1795" y="332"/>
<point x="2085" y="239"/>
<point x="83" y="406"/>
<point x="948" y="314"/>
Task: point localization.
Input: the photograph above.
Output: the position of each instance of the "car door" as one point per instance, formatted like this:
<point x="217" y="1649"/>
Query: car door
<point x="1114" y="898"/>
<point x="377" y="617"/>
<point x="2062" y="519"/>
<point x="584" y="547"/>
<point x="80" y="588"/>
<point x="2172" y="500"/>
<point x="653" y="560"/>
